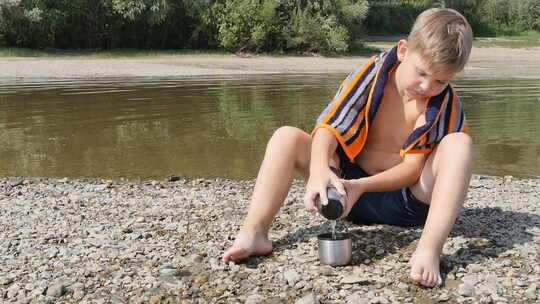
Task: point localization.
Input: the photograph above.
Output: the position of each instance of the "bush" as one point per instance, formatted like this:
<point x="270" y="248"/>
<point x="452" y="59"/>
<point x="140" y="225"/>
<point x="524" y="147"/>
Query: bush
<point x="22" y="24"/>
<point x="280" y="25"/>
<point x="102" y="24"/>
<point x="394" y="17"/>
<point x="236" y="25"/>
<point x="486" y="17"/>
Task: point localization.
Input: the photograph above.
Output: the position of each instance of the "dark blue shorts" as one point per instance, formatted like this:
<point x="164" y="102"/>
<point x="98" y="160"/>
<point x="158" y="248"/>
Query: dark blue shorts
<point x="398" y="207"/>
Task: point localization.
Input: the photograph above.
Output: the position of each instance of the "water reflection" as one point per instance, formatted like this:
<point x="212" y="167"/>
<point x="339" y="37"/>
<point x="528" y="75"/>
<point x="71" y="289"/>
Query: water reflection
<point x="218" y="126"/>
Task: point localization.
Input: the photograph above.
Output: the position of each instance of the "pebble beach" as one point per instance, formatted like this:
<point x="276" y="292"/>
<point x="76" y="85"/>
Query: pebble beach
<point x="161" y="241"/>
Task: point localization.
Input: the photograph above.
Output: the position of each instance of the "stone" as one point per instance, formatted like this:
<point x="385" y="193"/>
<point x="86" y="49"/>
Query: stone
<point x="474" y="268"/>
<point x="466" y="290"/>
<point x="520" y="283"/>
<point x="5" y="280"/>
<point x="291" y="276"/>
<point x="201" y="280"/>
<point x="16" y="181"/>
<point x="471" y="279"/>
<point x="155" y="300"/>
<point x="308" y="299"/>
<point x="171" y="271"/>
<point x="353" y="279"/>
<point x="531" y="293"/>
<point x="56" y="290"/>
<point x="358" y="298"/>
<point x="254" y="299"/>
<point x="443" y="297"/>
<point x="403" y="286"/>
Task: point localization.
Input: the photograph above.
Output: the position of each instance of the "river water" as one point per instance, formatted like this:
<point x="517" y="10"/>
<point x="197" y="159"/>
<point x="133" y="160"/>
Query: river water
<point x="139" y="128"/>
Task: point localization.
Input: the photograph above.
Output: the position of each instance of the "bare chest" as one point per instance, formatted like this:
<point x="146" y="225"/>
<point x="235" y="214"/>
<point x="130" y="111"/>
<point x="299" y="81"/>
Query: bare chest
<point x="393" y="124"/>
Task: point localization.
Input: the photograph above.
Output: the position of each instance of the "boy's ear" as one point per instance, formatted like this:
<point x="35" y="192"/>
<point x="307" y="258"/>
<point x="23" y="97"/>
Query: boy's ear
<point x="401" y="49"/>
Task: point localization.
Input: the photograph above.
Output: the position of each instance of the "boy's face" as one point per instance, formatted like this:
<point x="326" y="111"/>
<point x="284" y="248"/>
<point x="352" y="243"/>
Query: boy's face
<point x="415" y="79"/>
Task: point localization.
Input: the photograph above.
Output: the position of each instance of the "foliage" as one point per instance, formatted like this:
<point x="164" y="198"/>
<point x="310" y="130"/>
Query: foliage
<point x="512" y="15"/>
<point x="392" y="16"/>
<point x="102" y="24"/>
<point x="281" y="25"/>
<point x="236" y="25"/>
<point x="324" y="26"/>
<point x="487" y="17"/>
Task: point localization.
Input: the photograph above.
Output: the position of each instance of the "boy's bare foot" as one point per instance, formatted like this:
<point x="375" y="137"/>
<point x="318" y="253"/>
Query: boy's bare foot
<point x="425" y="267"/>
<point x="246" y="245"/>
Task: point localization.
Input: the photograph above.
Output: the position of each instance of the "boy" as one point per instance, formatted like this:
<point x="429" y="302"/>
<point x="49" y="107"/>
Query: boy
<point x="395" y="130"/>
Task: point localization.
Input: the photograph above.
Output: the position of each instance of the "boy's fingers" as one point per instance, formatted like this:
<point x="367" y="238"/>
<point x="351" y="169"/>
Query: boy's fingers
<point x="339" y="185"/>
<point x="324" y="198"/>
<point x="341" y="189"/>
<point x="310" y="201"/>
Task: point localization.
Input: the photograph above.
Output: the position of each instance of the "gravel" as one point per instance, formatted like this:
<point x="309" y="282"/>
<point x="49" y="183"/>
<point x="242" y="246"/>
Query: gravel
<point x="117" y="241"/>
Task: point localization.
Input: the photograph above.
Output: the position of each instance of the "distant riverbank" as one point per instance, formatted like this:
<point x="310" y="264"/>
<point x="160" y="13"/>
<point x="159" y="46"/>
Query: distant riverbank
<point x="488" y="62"/>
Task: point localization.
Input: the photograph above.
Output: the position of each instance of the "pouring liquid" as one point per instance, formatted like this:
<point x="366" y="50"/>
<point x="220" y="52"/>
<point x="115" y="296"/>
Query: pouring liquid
<point x="333" y="226"/>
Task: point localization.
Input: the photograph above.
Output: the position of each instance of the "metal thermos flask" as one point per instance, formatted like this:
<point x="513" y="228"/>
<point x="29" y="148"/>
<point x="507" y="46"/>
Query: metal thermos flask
<point x="336" y="204"/>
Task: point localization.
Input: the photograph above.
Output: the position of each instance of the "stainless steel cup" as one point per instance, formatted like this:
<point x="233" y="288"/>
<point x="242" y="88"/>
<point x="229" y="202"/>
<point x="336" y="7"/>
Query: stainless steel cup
<point x="335" y="251"/>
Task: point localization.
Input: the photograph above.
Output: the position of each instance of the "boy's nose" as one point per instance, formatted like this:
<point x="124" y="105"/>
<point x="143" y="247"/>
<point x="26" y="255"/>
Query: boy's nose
<point x="425" y="88"/>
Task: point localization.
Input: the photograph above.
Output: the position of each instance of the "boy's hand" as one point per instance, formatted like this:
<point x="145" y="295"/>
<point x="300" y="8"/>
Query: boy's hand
<point x="316" y="188"/>
<point x="355" y="189"/>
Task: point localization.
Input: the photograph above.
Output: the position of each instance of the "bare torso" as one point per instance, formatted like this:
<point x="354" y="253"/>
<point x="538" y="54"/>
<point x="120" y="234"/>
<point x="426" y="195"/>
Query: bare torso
<point x="394" y="122"/>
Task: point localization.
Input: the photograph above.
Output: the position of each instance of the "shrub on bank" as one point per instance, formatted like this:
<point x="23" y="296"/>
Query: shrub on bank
<point x="282" y="25"/>
<point x="237" y="25"/>
<point x="487" y="17"/>
<point x="250" y="25"/>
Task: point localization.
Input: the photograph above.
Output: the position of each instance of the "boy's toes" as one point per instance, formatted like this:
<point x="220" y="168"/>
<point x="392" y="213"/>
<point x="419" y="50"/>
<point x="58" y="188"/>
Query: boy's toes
<point x="425" y="277"/>
<point x="417" y="274"/>
<point x="431" y="280"/>
<point x="235" y="254"/>
<point x="439" y="280"/>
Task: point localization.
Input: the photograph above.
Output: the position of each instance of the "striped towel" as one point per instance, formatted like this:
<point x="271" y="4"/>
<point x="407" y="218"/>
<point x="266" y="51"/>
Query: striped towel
<point x="359" y="96"/>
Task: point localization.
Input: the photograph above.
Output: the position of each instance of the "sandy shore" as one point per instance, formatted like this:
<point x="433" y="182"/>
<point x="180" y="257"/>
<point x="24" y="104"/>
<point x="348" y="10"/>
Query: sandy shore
<point x="484" y="63"/>
<point x="101" y="241"/>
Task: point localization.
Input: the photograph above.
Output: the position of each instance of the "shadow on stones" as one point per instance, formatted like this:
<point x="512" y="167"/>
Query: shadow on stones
<point x="489" y="232"/>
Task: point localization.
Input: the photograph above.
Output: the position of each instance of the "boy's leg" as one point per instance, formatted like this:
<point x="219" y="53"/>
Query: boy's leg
<point x="288" y="150"/>
<point x="443" y="183"/>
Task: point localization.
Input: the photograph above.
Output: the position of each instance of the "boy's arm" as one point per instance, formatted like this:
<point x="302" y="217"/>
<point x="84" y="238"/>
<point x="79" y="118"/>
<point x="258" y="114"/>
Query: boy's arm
<point x="402" y="175"/>
<point x="323" y="146"/>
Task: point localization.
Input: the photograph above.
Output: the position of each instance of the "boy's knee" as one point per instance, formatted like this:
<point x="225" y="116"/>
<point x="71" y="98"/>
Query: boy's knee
<point x="287" y="133"/>
<point x="457" y="140"/>
<point x="457" y="145"/>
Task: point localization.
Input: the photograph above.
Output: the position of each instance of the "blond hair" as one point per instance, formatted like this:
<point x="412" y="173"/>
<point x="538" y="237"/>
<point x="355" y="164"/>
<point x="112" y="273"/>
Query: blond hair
<point x="443" y="37"/>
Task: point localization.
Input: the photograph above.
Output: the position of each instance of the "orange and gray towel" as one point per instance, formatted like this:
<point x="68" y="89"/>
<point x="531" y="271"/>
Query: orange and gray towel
<point x="355" y="105"/>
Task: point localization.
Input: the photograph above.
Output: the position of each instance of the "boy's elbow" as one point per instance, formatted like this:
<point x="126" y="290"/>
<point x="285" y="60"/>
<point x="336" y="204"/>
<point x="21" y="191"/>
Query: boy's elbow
<point x="414" y="169"/>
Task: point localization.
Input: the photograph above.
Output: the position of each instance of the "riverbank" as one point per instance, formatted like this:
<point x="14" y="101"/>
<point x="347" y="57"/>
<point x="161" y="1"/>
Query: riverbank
<point x="103" y="241"/>
<point x="485" y="62"/>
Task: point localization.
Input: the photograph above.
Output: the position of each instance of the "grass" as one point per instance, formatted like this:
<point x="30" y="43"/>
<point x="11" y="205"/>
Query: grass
<point x="525" y="39"/>
<point x="521" y="40"/>
<point x="362" y="49"/>
<point x="20" y="52"/>
<point x="115" y="53"/>
<point x="368" y="47"/>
